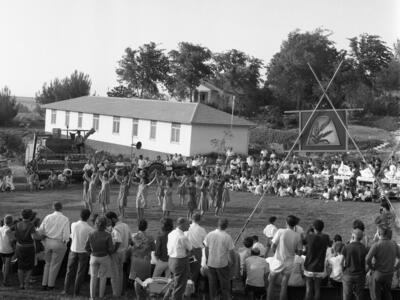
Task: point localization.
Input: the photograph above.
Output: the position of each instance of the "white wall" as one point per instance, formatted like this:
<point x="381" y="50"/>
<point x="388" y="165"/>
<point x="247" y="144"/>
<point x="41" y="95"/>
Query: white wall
<point x="161" y="143"/>
<point x="202" y="136"/>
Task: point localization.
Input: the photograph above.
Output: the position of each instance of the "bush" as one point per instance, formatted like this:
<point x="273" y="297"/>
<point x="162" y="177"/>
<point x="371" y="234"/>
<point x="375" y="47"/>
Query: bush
<point x="8" y="106"/>
<point x="11" y="144"/>
<point x="262" y="137"/>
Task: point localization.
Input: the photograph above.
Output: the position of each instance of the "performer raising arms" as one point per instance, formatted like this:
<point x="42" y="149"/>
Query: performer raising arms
<point x="125" y="183"/>
<point x="141" y="196"/>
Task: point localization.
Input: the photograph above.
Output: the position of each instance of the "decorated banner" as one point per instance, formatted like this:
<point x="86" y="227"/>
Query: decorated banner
<point x="324" y="131"/>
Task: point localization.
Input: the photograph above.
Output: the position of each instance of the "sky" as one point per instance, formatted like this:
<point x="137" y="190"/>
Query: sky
<point x="45" y="39"/>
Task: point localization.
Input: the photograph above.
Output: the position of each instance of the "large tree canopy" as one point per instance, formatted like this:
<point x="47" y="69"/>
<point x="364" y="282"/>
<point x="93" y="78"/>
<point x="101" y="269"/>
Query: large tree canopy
<point x="288" y="74"/>
<point x="239" y="73"/>
<point x="77" y="85"/>
<point x="189" y="65"/>
<point x="8" y="106"/>
<point x="370" y="56"/>
<point x="142" y="70"/>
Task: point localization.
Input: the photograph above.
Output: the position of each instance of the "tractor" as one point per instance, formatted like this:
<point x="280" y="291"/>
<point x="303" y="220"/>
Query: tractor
<point x="57" y="152"/>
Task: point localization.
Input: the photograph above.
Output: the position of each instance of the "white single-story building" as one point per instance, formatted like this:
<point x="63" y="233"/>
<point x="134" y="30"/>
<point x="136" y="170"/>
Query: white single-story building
<point x="161" y="126"/>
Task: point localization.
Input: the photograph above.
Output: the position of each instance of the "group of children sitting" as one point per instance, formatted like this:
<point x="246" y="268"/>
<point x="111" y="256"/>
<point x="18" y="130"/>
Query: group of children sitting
<point x="333" y="179"/>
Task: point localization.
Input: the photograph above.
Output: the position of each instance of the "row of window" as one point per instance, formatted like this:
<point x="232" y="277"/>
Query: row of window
<point x="175" y="127"/>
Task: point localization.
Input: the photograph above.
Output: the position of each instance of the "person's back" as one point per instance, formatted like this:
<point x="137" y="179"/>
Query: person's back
<point x="316" y="245"/>
<point x="218" y="243"/>
<point x="287" y="241"/>
<point x="385" y="252"/>
<point x="99" y="242"/>
<point x="354" y="258"/>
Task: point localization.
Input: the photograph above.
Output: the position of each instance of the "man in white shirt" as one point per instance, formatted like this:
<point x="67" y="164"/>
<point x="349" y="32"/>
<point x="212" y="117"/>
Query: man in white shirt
<point x="179" y="248"/>
<point x="269" y="232"/>
<point x="55" y="229"/>
<point x="119" y="257"/>
<point x="219" y="254"/>
<point x="196" y="235"/>
<point x="284" y="244"/>
<point x="78" y="258"/>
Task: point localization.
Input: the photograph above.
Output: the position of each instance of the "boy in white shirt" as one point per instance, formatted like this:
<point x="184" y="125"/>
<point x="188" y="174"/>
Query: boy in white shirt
<point x="255" y="273"/>
<point x="269" y="232"/>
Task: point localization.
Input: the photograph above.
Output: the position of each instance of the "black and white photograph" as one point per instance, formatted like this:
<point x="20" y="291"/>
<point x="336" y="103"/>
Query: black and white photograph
<point x="200" y="150"/>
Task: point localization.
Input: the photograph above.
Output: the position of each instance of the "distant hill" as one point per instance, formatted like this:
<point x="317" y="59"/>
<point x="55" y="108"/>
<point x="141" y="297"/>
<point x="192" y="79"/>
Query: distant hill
<point x="28" y="102"/>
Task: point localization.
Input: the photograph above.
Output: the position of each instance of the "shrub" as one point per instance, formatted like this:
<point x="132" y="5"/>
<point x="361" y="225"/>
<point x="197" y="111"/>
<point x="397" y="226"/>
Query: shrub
<point x="263" y="136"/>
<point x="11" y="144"/>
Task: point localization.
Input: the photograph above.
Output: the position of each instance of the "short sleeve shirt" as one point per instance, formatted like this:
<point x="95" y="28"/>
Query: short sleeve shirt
<point x="219" y="244"/>
<point x="315" y="252"/>
<point x="287" y="242"/>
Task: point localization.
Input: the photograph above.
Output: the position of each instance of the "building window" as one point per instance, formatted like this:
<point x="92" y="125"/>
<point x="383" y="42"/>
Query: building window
<point x="153" y="130"/>
<point x="67" y="119"/>
<point x="96" y="119"/>
<point x="115" y="125"/>
<point x="53" y="116"/>
<point x="80" y="117"/>
<point x="135" y="127"/>
<point x="175" y="132"/>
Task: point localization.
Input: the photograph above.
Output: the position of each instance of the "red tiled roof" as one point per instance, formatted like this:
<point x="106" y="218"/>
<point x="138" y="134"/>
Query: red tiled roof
<point x="179" y="112"/>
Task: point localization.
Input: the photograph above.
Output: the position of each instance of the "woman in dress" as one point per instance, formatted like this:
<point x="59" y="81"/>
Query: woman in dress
<point x="182" y="189"/>
<point x="25" y="233"/>
<point x="192" y="204"/>
<point x="100" y="246"/>
<point x="203" y="202"/>
<point x="218" y="195"/>
<point x="141" y="196"/>
<point x="212" y="188"/>
<point x="161" y="180"/>
<point x="104" y="194"/>
<point x="91" y="192"/>
<point x="86" y="179"/>
<point x="168" y="204"/>
<point x="124" y="184"/>
<point x="225" y="195"/>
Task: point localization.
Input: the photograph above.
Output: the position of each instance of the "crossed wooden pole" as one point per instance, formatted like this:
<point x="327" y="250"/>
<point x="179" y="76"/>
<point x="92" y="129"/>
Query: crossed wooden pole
<point x="324" y="95"/>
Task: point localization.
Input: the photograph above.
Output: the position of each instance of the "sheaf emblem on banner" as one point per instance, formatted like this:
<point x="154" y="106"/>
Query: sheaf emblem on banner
<point x="323" y="132"/>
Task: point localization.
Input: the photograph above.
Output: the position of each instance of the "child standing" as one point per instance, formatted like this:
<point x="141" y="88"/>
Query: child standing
<point x="335" y="265"/>
<point x="225" y="195"/>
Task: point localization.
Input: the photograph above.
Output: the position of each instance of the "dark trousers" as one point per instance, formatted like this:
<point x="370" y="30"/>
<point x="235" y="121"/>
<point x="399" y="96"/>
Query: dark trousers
<point x="219" y="276"/>
<point x="179" y="267"/>
<point x="76" y="271"/>
<point x="353" y="285"/>
<point x="381" y="286"/>
<point x="195" y="266"/>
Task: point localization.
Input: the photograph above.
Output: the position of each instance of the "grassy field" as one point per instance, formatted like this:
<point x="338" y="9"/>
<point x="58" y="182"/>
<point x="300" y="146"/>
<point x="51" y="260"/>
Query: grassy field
<point x="338" y="218"/>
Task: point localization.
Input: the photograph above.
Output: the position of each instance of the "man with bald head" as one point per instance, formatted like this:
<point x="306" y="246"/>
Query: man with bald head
<point x="179" y="249"/>
<point x="354" y="266"/>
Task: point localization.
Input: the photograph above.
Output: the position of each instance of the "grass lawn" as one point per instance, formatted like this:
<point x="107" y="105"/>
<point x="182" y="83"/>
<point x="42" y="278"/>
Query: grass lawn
<point x="338" y="218"/>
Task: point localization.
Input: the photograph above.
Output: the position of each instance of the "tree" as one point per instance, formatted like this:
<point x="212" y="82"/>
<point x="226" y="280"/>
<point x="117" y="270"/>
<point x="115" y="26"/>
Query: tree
<point x="370" y="56"/>
<point x="8" y="106"/>
<point x="121" y="91"/>
<point x="189" y="65"/>
<point x="77" y="85"/>
<point x="288" y="74"/>
<point x="239" y="73"/>
<point x="396" y="50"/>
<point x="142" y="70"/>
